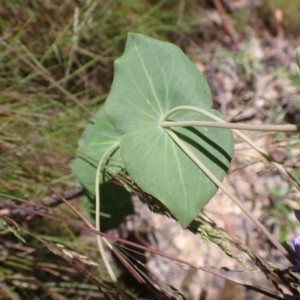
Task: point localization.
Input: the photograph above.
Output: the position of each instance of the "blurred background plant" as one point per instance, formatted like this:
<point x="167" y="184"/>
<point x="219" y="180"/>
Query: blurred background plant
<point x="56" y="68"/>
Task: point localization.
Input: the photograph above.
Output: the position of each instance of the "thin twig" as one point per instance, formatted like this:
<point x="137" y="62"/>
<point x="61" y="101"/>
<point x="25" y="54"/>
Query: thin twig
<point x="49" y="202"/>
<point x="226" y="25"/>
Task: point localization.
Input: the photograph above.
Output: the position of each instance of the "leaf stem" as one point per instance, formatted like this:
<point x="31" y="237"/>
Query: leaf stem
<point x="261" y="151"/>
<point x="277" y="128"/>
<point x="218" y="183"/>
<point x="97" y="221"/>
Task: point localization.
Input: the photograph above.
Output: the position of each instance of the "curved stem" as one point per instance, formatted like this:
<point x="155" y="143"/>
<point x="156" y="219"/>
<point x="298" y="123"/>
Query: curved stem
<point x="218" y="183"/>
<point x="277" y="128"/>
<point x="97" y="221"/>
<point x="261" y="151"/>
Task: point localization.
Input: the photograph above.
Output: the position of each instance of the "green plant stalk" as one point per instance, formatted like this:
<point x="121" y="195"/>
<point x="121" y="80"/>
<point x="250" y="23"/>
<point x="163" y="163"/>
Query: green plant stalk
<point x="261" y="151"/>
<point x="97" y="221"/>
<point x="218" y="183"/>
<point x="223" y="124"/>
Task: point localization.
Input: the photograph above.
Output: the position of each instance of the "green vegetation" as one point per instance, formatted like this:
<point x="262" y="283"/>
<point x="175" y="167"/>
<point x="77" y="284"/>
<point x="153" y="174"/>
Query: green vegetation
<point x="56" y="70"/>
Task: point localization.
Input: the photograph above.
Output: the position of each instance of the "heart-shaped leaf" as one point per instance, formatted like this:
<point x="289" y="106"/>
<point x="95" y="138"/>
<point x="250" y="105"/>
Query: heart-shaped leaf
<point x="151" y="78"/>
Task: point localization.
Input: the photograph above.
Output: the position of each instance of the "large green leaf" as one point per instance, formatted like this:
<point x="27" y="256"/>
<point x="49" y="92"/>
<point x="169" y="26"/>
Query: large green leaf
<point x="151" y="78"/>
<point x="98" y="136"/>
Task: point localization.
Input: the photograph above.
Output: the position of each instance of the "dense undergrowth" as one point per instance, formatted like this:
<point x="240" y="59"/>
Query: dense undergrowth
<point x="56" y="68"/>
